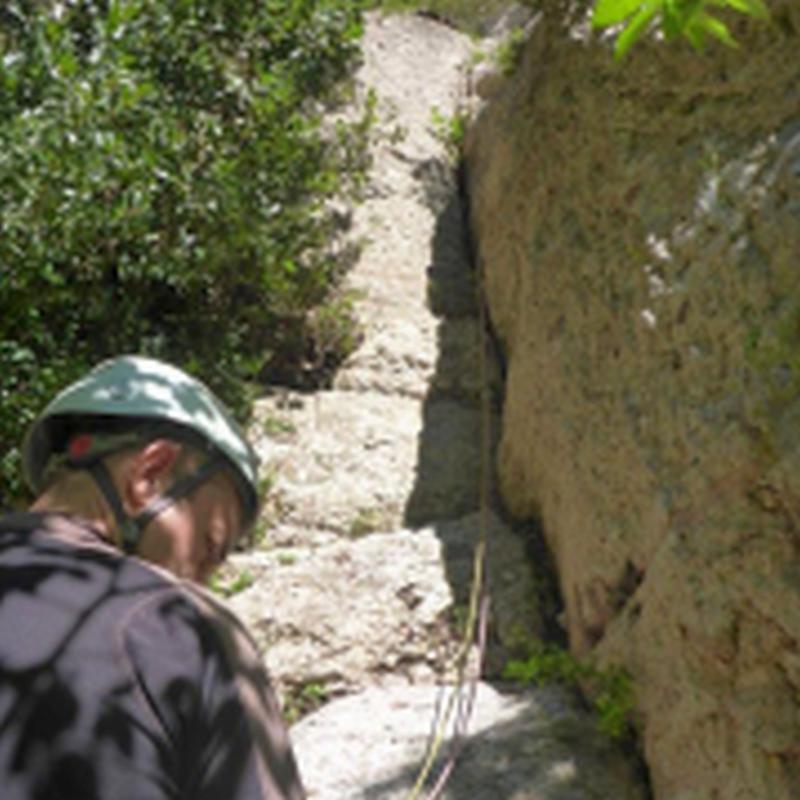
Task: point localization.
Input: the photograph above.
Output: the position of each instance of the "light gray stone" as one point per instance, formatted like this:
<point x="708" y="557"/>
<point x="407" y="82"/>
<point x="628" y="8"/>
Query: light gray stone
<point x="487" y="80"/>
<point x="345" y="456"/>
<point x="384" y="607"/>
<point x="539" y="745"/>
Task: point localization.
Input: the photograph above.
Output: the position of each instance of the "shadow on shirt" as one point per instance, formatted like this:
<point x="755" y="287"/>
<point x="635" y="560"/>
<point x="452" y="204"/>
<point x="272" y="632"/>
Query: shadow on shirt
<point x="117" y="681"/>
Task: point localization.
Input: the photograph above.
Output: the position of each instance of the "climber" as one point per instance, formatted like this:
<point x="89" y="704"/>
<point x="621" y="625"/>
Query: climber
<point x="120" y="677"/>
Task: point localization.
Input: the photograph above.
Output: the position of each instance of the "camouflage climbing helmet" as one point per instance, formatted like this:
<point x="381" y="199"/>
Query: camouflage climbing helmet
<point x="142" y="391"/>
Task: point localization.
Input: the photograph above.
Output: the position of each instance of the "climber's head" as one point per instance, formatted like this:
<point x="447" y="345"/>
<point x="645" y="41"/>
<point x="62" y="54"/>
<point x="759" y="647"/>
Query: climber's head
<point x="153" y="457"/>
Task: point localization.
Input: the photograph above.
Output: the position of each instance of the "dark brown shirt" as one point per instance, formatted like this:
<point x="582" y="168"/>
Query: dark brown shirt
<point x="119" y="682"/>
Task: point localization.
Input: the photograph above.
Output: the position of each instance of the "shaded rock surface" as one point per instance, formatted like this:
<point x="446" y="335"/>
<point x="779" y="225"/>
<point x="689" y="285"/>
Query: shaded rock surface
<point x="639" y="232"/>
<point x="374" y="496"/>
<point x="348" y="460"/>
<point x="533" y="746"/>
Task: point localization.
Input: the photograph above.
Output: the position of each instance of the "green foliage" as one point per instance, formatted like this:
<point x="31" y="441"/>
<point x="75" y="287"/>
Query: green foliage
<point x="688" y="18"/>
<point x="278" y="427"/>
<point x="545" y="664"/>
<point x="303" y="700"/>
<point x="509" y="51"/>
<point x="450" y="130"/>
<point x="612" y="695"/>
<point x="259" y="534"/>
<point x="610" y="688"/>
<point x="228" y="586"/>
<point x="165" y="188"/>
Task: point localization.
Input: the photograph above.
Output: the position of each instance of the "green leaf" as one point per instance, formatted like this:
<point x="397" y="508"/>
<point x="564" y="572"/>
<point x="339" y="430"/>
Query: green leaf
<point x="696" y="35"/>
<point x="679" y="16"/>
<point x="67" y="64"/>
<point x="755" y="8"/>
<point x="612" y="12"/>
<point x="670" y="23"/>
<point x="636" y="27"/>
<point x="691" y="9"/>
<point x="717" y="28"/>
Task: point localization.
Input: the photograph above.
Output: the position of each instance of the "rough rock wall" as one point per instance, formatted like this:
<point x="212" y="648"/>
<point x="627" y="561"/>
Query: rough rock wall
<point x="639" y="229"/>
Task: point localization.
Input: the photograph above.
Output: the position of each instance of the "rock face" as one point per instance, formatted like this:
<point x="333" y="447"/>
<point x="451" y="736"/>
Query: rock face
<point x="534" y="746"/>
<point x="379" y="610"/>
<point x="375" y="483"/>
<point x="639" y="230"/>
<point x="357" y="599"/>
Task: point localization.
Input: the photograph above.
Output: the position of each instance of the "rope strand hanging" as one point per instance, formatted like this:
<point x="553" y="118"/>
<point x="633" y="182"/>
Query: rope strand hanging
<point x="476" y="625"/>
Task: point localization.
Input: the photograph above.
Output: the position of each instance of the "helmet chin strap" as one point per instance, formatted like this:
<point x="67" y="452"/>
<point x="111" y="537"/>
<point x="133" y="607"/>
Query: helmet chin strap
<point x="131" y="528"/>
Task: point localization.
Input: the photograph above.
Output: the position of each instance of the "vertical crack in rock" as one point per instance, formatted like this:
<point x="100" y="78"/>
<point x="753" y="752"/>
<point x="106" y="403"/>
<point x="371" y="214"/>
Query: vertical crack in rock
<point x="375" y="498"/>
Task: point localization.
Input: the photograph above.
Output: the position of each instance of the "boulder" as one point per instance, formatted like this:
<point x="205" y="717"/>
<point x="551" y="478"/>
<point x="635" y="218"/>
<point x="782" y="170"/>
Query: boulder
<point x="638" y="228"/>
<point x="536" y="745"/>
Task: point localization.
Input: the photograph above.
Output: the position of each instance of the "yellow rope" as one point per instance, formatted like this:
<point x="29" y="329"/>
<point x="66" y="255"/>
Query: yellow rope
<point x="479" y="562"/>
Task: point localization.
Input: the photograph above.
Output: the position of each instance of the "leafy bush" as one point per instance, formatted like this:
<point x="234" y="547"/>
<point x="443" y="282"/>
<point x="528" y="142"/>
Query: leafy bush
<point x="166" y="186"/>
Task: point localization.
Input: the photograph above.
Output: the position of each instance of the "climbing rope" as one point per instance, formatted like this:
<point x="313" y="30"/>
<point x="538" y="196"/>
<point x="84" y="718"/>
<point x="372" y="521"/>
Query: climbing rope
<point x="462" y="698"/>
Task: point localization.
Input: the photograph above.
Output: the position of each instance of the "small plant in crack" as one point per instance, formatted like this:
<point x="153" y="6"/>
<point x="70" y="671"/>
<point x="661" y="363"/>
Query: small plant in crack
<point x="277" y="427"/>
<point x="303" y="699"/>
<point x="451" y="130"/>
<point x="610" y="689"/>
<point x="366" y="520"/>
<point x="509" y="52"/>
<point x="231" y="584"/>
